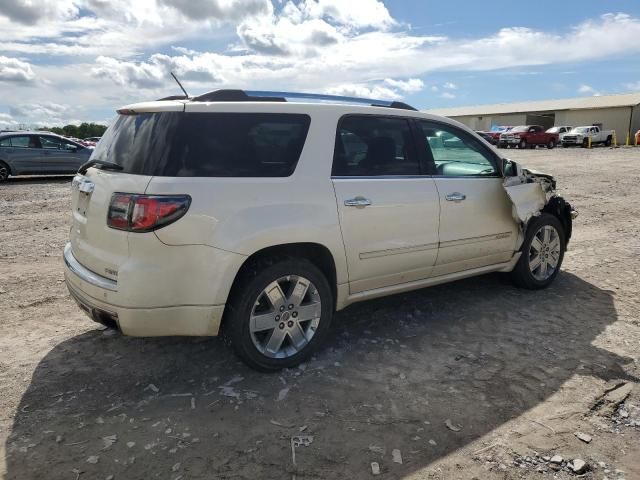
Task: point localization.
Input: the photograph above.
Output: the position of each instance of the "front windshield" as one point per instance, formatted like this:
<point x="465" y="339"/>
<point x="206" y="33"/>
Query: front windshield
<point x="580" y="130"/>
<point x="521" y="128"/>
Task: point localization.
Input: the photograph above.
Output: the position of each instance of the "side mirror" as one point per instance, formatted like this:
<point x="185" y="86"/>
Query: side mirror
<point x="509" y="168"/>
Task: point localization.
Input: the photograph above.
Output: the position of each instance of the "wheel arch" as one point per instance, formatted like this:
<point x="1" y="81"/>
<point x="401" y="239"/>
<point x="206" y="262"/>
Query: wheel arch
<point x="316" y="253"/>
<point x="561" y="209"/>
<point x="4" y="162"/>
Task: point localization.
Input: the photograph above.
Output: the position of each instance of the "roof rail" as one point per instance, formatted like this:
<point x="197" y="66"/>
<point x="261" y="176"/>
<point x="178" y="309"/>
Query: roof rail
<point x="266" y="96"/>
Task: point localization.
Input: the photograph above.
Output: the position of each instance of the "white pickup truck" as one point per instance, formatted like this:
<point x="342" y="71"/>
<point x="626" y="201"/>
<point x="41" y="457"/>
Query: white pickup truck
<point x="581" y="135"/>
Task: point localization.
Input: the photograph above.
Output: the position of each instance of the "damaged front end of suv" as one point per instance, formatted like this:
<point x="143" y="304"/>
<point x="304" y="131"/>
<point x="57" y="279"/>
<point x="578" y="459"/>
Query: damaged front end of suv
<point x="533" y="193"/>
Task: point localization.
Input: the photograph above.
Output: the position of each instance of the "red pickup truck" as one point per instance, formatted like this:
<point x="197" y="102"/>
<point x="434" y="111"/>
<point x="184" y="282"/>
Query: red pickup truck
<point x="527" y="136"/>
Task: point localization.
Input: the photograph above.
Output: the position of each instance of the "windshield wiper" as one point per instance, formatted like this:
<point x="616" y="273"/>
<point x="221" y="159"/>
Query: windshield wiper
<point x="102" y="163"/>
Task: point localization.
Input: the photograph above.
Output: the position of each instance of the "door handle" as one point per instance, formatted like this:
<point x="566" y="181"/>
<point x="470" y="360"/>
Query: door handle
<point x="456" y="197"/>
<point x="357" y="202"/>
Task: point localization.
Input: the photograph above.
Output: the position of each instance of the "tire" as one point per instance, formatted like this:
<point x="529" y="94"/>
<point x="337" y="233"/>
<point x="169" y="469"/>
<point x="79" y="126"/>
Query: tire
<point x="541" y="276"/>
<point x="585" y="143"/>
<point x="564" y="145"/>
<point x="5" y="171"/>
<point x="522" y="144"/>
<point x="551" y="145"/>
<point x="607" y="142"/>
<point x="249" y="313"/>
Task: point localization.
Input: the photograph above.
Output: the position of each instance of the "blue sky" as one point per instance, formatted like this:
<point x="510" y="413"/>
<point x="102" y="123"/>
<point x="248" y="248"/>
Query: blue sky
<point x="67" y="61"/>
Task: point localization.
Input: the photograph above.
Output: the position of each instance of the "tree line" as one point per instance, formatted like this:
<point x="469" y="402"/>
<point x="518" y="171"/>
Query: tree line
<point x="83" y="130"/>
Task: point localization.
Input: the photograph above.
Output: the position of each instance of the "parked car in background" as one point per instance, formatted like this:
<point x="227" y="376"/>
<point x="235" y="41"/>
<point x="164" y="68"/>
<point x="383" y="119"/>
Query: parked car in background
<point x="581" y="135"/>
<point x="560" y="130"/>
<point x="261" y="219"/>
<point x="495" y="132"/>
<point x="527" y="136"/>
<point x="39" y="153"/>
<point x="487" y="136"/>
<point x="91" y="141"/>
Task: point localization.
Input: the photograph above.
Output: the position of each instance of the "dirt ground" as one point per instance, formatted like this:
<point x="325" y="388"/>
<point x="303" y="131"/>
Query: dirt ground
<point x="474" y="379"/>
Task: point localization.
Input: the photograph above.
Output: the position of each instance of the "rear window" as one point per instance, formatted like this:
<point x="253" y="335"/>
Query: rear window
<point x="178" y="144"/>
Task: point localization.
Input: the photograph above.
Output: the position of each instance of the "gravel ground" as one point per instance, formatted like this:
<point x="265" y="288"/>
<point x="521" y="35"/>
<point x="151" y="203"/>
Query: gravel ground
<point x="474" y="379"/>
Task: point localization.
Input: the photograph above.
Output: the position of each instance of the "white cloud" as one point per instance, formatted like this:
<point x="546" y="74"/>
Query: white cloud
<point x="41" y="113"/>
<point x="635" y="86"/>
<point x="352" y="13"/>
<point x="588" y="90"/>
<point x="14" y="70"/>
<point x="448" y="95"/>
<point x="6" y="120"/>
<point x="411" y="85"/>
<point x="109" y="48"/>
<point x="30" y="12"/>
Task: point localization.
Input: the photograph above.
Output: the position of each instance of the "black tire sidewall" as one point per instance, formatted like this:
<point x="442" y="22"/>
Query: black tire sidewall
<point x="522" y="273"/>
<point x="244" y="297"/>
<point x="4" y="165"/>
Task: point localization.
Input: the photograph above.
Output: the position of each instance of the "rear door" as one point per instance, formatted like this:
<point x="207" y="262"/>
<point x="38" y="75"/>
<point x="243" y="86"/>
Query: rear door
<point x="476" y="224"/>
<point x="23" y="154"/>
<point x="388" y="210"/>
<point x="60" y="155"/>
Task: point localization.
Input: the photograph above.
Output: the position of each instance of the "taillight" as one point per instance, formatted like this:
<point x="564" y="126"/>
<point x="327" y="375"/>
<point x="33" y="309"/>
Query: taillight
<point x="145" y="213"/>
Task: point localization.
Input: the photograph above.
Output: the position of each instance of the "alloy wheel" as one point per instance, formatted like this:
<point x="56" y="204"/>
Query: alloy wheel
<point x="285" y="316"/>
<point x="544" y="253"/>
<point x="4" y="173"/>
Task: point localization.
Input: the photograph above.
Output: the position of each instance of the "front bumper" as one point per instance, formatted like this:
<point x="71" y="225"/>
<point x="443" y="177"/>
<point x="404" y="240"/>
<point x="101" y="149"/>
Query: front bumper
<point x="94" y="294"/>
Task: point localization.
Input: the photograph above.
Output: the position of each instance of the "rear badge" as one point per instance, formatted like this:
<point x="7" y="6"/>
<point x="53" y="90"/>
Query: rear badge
<point x="113" y="273"/>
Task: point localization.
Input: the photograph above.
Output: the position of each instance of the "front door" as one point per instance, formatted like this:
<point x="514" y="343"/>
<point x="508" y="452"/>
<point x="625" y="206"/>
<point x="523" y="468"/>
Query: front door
<point x="476" y="223"/>
<point x="388" y="210"/>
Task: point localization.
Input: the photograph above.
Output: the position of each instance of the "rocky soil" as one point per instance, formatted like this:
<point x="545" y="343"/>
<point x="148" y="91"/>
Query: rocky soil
<point x="474" y="379"/>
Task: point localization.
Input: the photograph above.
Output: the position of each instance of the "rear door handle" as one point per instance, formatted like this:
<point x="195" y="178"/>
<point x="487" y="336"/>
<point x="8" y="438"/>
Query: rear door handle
<point x="456" y="197"/>
<point x="357" y="202"/>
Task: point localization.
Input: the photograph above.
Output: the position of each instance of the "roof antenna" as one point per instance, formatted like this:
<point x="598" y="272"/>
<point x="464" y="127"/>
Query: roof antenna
<point x="180" y="85"/>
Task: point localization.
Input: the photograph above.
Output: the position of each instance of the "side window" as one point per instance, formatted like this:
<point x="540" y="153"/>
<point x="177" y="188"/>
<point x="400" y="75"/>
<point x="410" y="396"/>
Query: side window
<point x="455" y="153"/>
<point x="367" y="145"/>
<point x="50" y="143"/>
<point x="5" y="142"/>
<point x="25" y="141"/>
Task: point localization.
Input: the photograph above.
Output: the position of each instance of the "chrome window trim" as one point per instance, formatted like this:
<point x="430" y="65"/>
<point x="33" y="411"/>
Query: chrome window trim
<point x="407" y="177"/>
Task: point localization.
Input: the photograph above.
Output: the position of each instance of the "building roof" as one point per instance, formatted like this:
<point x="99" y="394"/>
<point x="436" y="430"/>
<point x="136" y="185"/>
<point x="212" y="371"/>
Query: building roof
<point x="582" y="103"/>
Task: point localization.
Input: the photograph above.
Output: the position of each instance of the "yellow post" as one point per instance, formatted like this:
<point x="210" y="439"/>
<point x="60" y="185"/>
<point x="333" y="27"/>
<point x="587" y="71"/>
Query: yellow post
<point x="627" y="142"/>
<point x="589" y="142"/>
<point x="615" y="140"/>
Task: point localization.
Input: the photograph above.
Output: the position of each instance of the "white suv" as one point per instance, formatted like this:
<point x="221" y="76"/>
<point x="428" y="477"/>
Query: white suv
<point x="259" y="214"/>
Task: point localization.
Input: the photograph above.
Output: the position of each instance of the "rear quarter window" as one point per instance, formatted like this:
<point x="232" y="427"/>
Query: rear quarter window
<point x="178" y="144"/>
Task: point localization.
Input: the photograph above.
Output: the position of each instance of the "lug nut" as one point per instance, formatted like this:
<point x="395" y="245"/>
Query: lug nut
<point x="291" y="306"/>
<point x="277" y="318"/>
<point x="281" y="325"/>
<point x="282" y="308"/>
<point x="294" y="314"/>
<point x="290" y="324"/>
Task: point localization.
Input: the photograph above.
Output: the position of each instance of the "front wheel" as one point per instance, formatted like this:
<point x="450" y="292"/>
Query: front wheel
<point x="542" y="253"/>
<point x="523" y="144"/>
<point x="279" y="312"/>
<point x="551" y="144"/>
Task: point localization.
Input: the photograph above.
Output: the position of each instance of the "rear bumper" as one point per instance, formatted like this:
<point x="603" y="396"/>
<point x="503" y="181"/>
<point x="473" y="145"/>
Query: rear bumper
<point x="98" y="297"/>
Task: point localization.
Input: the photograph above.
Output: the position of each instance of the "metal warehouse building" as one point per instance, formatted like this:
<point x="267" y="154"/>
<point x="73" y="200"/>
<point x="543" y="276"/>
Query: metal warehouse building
<point x="617" y="112"/>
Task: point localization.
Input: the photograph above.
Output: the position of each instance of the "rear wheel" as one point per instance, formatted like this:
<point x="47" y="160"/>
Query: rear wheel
<point x="585" y="143"/>
<point x="279" y="313"/>
<point x="4" y="172"/>
<point x="607" y="142"/>
<point x="523" y="143"/>
<point x="542" y="253"/>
